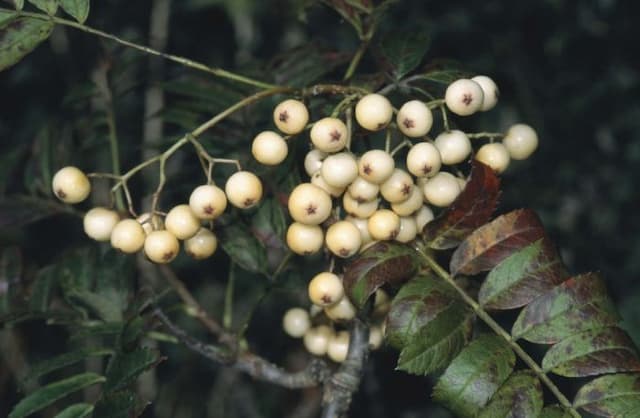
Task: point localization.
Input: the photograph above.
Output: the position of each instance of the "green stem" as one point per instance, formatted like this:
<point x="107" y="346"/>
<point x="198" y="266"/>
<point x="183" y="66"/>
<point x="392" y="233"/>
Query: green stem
<point x="357" y="57"/>
<point x="482" y="314"/>
<point x="227" y="318"/>
<point x="218" y="72"/>
<point x="115" y="153"/>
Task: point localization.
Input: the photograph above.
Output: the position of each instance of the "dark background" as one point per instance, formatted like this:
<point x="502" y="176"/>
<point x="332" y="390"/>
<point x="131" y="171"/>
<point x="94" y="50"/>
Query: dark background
<point x="568" y="68"/>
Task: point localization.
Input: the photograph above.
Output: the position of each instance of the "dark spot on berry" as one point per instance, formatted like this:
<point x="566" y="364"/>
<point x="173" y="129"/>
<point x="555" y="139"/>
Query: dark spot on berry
<point x="360" y="200"/>
<point x="367" y="169"/>
<point x="335" y="135"/>
<point x="393" y="234"/>
<point x="344" y="252"/>
<point x="248" y="202"/>
<point x="408" y="123"/>
<point x="208" y="210"/>
<point x="61" y="194"/>
<point x="283" y="116"/>
<point x="467" y="98"/>
<point x="426" y="169"/>
<point x="167" y="256"/>
<point x="380" y="125"/>
<point x="406" y="189"/>
<point x="307" y="253"/>
<point x="326" y="299"/>
<point x="311" y="209"/>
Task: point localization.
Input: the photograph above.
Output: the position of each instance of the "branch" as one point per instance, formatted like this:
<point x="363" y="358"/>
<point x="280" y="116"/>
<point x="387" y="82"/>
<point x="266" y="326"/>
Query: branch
<point x="340" y="388"/>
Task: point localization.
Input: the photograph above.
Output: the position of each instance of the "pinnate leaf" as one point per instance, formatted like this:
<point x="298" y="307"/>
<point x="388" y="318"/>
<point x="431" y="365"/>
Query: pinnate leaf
<point x="120" y="404"/>
<point x="79" y="9"/>
<point x="615" y="395"/>
<point x="593" y="352"/>
<point x="404" y="50"/>
<point x="383" y="263"/>
<point x="64" y="360"/>
<point x="472" y="209"/>
<point x="488" y="245"/>
<point x="79" y="410"/>
<point x="126" y="367"/>
<point x="20" y="36"/>
<point x="243" y="247"/>
<point x="579" y="304"/>
<point x="519" y="396"/>
<point x="48" y="6"/>
<point x="475" y="375"/>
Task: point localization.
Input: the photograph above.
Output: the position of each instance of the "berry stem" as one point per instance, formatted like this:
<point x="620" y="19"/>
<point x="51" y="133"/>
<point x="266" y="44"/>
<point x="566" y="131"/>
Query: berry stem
<point x="403" y="144"/>
<point x="227" y="317"/>
<point x="488" y="135"/>
<point x="115" y="151"/>
<point x="482" y="314"/>
<point x="445" y="117"/>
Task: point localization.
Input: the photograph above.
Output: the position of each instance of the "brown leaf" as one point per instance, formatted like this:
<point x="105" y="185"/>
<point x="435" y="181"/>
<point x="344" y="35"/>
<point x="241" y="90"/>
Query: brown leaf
<point x="472" y="209"/>
<point x="488" y="245"/>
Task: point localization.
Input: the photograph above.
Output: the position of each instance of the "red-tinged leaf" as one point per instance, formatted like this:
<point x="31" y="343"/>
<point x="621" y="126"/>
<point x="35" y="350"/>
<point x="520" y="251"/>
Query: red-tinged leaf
<point x="593" y="352"/>
<point x="579" y="304"/>
<point x="488" y="245"/>
<point x="615" y="395"/>
<point x="383" y="263"/>
<point x="472" y="209"/>
<point x="519" y="396"/>
<point x="523" y="277"/>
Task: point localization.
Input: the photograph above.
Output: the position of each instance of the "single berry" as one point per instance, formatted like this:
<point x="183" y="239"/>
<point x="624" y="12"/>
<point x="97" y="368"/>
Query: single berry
<point x="202" y="245"/>
<point x="208" y="201"/>
<point x="423" y="216"/>
<point x="269" y="148"/>
<point x="316" y="340"/>
<point x="374" y="112"/>
<point x="363" y="228"/>
<point x="313" y="161"/>
<point x="358" y="208"/>
<point x="454" y="147"/>
<point x="296" y="322"/>
<point x="318" y="180"/>
<point x="71" y="185"/>
<point x="495" y="155"/>
<point x="128" y="236"/>
<point x="291" y="116"/>
<point x="341" y="311"/>
<point x="325" y="289"/>
<point x="182" y="222"/>
<point x="329" y="135"/>
<point x="243" y="189"/>
<point x="304" y="239"/>
<point x="99" y="223"/>
<point x="408" y="229"/>
<point x="375" y="337"/>
<point x="414" y="119"/>
<point x="423" y="160"/>
<point x="363" y="190"/>
<point x="343" y="239"/>
<point x="521" y="141"/>
<point x="398" y="187"/>
<point x="161" y="246"/>
<point x="339" y="170"/>
<point x="338" y="346"/>
<point x="309" y="204"/>
<point x="409" y="206"/>
<point x="464" y="97"/>
<point x="490" y="92"/>
<point x="382" y="303"/>
<point x="442" y="189"/>
<point x="376" y="166"/>
<point x="384" y="225"/>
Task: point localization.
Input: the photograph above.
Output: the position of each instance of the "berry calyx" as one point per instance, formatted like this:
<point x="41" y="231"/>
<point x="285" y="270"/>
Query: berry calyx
<point x="208" y="201"/>
<point x="329" y="135"/>
<point x="99" y="223"/>
<point x="325" y="289"/>
<point x="309" y="204"/>
<point x="243" y="189"/>
<point x="414" y="119"/>
<point x="374" y="112"/>
<point x="376" y="166"/>
<point x="423" y="160"/>
<point x="464" y="97"/>
<point x="71" y="185"/>
<point x="398" y="187"/>
<point x="161" y="246"/>
<point x="269" y="148"/>
<point x="291" y="116"/>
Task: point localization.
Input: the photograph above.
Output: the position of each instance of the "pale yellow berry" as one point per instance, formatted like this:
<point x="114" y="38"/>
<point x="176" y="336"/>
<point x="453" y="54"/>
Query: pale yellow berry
<point x="339" y="170"/>
<point x="343" y="239"/>
<point x="423" y="216"/>
<point x="318" y="180"/>
<point x="357" y="208"/>
<point x="296" y="322"/>
<point x="99" y="222"/>
<point x="414" y="119"/>
<point x="208" y="201"/>
<point x="313" y="161"/>
<point x="494" y="155"/>
<point x="341" y="311"/>
<point x="408" y="229"/>
<point x="329" y="135"/>
<point x="243" y="189"/>
<point x="202" y="245"/>
<point x="325" y="289"/>
<point x="442" y="189"/>
<point x="464" y="97"/>
<point x="454" y="147"/>
<point x="182" y="222"/>
<point x="423" y="159"/>
<point x="269" y="148"/>
<point x="384" y="225"/>
<point x="382" y="303"/>
<point x="338" y="346"/>
<point x="363" y="190"/>
<point x="363" y="228"/>
<point x="374" y="112"/>
<point x="291" y="116"/>
<point x="309" y="204"/>
<point x="397" y="188"/>
<point x="128" y="236"/>
<point x="462" y="183"/>
<point x="375" y="337"/>
<point x="521" y="141"/>
<point x="489" y="90"/>
<point x="316" y="340"/>
<point x="304" y="239"/>
<point x="161" y="246"/>
<point x="71" y="185"/>
<point x="409" y="206"/>
<point x="376" y="166"/>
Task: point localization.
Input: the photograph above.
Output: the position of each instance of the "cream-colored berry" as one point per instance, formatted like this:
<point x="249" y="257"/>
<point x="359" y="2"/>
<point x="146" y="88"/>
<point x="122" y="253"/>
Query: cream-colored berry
<point x="304" y="239"/>
<point x="325" y="289"/>
<point x="182" y="222"/>
<point x="521" y="141"/>
<point x="341" y="311"/>
<point x="296" y="322"/>
<point x="495" y="155"/>
<point x="464" y="97"/>
<point x="398" y="187"/>
<point x="489" y="90"/>
<point x="343" y="239"/>
<point x="291" y="116"/>
<point x="208" y="201"/>
<point x="313" y="161"/>
<point x="382" y="303"/>
<point x="357" y="208"/>
<point x="384" y="225"/>
<point x="442" y="189"/>
<point x="375" y="337"/>
<point x="423" y="160"/>
<point x="454" y="147"/>
<point x="269" y="148"/>
<point x="374" y="112"/>
<point x="414" y="119"/>
<point x="363" y="228"/>
<point x="462" y="183"/>
<point x="316" y="340"/>
<point x="202" y="245"/>
<point x="409" y="206"/>
<point x="338" y="346"/>
<point x="309" y="204"/>
<point x="363" y="190"/>
<point x="376" y="166"/>
<point x="128" y="236"/>
<point x="318" y="180"/>
<point x="329" y="135"/>
<point x="99" y="222"/>
<point x="408" y="229"/>
<point x="161" y="246"/>
<point x="423" y="216"/>
<point x="71" y="185"/>
<point x="339" y="170"/>
<point x="243" y="189"/>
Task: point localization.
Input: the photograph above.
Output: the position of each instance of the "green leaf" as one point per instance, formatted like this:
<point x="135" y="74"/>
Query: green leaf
<point x="522" y="277"/>
<point x="519" y="396"/>
<point x="42" y="288"/>
<point x="436" y="344"/>
<point x="79" y="410"/>
<point x="97" y="330"/>
<point x="383" y="263"/>
<point x="404" y="50"/>
<point x="593" y="352"/>
<point x="615" y="395"/>
<point x="103" y="307"/>
<point x="79" y="9"/>
<point x="116" y="405"/>
<point x="47" y="395"/>
<point x="6" y="17"/>
<point x="126" y="367"/>
<point x="554" y="411"/>
<point x="304" y="65"/>
<point x="48" y="6"/>
<point x="475" y="375"/>
<point x="64" y="360"/>
<point x="579" y="304"/>
<point x="243" y="247"/>
<point x="22" y="210"/>
<point x="445" y="76"/>
<point x="417" y="303"/>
